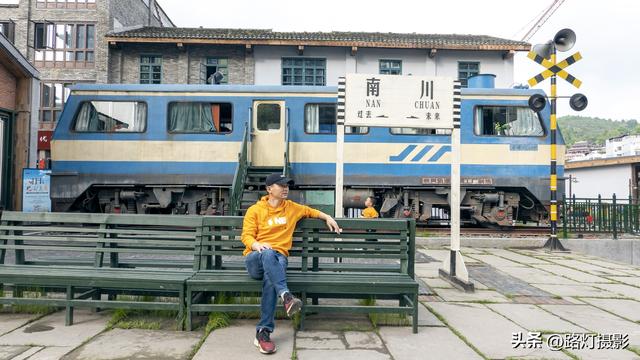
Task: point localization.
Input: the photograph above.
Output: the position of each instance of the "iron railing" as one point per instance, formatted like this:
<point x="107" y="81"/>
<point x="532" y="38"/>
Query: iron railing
<point x="237" y="188"/>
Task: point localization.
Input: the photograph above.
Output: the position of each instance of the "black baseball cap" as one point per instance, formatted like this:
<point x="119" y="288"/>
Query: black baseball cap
<point x="277" y="178"/>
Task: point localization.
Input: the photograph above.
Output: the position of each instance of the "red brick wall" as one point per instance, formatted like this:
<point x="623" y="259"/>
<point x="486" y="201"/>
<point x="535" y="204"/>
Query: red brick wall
<point x="7" y="89"/>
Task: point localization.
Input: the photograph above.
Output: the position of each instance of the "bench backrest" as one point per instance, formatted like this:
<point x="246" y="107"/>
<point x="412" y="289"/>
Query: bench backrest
<point x="97" y="240"/>
<point x="381" y="245"/>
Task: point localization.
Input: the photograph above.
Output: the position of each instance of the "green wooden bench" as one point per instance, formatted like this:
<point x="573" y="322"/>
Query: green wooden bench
<point x="350" y="267"/>
<point x="87" y="255"/>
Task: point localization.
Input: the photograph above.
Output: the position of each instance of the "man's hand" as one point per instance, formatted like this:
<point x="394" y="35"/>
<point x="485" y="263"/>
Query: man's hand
<point x="258" y="246"/>
<point x="333" y="225"/>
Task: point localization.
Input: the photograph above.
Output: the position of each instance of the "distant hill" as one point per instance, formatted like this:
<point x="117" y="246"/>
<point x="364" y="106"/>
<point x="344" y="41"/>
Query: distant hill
<point x="595" y="130"/>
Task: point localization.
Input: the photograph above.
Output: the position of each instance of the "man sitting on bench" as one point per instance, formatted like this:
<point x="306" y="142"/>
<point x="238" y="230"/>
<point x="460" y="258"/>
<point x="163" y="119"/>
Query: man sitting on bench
<point x="267" y="233"/>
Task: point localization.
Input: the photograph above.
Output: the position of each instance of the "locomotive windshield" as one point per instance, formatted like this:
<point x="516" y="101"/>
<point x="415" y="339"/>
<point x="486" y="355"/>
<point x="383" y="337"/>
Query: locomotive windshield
<point x="507" y="121"/>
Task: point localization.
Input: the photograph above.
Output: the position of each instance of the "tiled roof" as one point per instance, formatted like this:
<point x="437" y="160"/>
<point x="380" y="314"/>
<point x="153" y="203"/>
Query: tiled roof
<point x="334" y="38"/>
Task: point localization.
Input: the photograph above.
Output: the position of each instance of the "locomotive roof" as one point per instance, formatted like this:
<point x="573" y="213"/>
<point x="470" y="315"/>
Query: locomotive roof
<point x="124" y="88"/>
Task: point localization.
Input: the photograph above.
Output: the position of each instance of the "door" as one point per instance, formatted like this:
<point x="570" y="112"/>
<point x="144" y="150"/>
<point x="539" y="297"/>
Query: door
<point x="267" y="144"/>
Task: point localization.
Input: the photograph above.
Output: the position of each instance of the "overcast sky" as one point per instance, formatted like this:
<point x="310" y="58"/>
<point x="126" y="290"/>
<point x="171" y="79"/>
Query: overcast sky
<point x="608" y="33"/>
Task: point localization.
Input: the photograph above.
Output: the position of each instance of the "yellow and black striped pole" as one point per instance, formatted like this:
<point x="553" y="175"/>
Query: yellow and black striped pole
<point x="553" y="243"/>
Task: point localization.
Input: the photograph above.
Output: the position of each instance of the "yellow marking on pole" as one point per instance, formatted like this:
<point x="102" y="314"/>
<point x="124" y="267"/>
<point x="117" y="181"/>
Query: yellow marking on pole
<point x="554" y="122"/>
<point x="554" y="182"/>
<point x="554" y="150"/>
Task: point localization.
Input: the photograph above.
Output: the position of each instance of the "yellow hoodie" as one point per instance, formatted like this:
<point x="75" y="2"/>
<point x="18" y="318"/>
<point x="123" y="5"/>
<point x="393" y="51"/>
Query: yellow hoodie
<point x="273" y="226"/>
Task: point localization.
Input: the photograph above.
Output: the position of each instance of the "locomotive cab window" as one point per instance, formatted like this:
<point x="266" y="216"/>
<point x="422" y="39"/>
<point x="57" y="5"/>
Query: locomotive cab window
<point x="200" y="117"/>
<point x="111" y="116"/>
<point x="321" y="119"/>
<point x="507" y="121"/>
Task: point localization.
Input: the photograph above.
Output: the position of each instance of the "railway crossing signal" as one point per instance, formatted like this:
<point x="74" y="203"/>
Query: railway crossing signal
<point x="554" y="69"/>
<point x="545" y="55"/>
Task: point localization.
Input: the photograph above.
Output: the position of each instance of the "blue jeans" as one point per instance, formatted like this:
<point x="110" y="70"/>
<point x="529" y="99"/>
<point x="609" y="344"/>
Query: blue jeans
<point x="271" y="267"/>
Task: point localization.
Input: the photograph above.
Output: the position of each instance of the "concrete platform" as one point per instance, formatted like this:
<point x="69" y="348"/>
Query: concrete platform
<point x="584" y="294"/>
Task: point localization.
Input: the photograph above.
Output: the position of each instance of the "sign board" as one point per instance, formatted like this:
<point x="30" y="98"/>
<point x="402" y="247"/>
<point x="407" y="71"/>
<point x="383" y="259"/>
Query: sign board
<point x="44" y="139"/>
<point x="36" y="186"/>
<point x="399" y="101"/>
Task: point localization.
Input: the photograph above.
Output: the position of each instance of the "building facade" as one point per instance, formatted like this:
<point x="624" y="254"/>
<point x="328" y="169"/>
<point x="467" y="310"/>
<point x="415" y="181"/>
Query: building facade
<point x="265" y="57"/>
<point x="65" y="40"/>
<point x="19" y="99"/>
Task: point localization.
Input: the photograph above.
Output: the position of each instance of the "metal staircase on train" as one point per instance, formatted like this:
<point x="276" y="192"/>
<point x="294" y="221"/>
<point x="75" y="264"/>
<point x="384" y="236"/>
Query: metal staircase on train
<point x="248" y="182"/>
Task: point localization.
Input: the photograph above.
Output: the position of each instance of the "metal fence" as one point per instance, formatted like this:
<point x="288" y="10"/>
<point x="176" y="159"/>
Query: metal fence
<point x="609" y="215"/>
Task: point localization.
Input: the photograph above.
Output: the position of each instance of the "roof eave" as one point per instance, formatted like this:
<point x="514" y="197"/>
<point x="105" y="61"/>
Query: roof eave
<point x="363" y="44"/>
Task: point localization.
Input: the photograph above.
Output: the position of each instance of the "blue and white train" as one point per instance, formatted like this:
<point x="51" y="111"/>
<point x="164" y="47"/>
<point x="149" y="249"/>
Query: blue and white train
<point x="174" y="149"/>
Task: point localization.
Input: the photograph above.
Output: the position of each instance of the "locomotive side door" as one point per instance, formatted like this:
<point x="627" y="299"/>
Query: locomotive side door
<point x="268" y="141"/>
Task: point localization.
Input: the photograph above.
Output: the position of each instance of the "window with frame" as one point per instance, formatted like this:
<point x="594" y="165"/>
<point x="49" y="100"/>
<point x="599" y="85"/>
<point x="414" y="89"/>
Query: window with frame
<point x="304" y="71"/>
<point x="53" y="96"/>
<point x="7" y="28"/>
<point x="390" y="67"/>
<point x="200" y="117"/>
<point x="507" y="121"/>
<point x="467" y="69"/>
<point x="66" y="4"/>
<point x="70" y="45"/>
<point x="268" y="117"/>
<point x="210" y="66"/>
<point x="321" y="119"/>
<point x="111" y="116"/>
<point x="151" y="69"/>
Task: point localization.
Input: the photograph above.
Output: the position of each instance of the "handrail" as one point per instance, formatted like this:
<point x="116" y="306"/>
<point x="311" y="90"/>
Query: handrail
<point x="287" y="166"/>
<point x="240" y="176"/>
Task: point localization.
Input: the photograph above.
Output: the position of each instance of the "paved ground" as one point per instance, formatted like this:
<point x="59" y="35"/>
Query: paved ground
<point x="574" y="301"/>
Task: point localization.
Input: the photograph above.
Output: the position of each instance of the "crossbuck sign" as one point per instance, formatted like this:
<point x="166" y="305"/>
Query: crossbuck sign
<point x="399" y="101"/>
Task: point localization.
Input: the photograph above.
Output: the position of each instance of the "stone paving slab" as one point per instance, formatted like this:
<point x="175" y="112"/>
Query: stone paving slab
<point x="490" y="332"/>
<point x="572" y="274"/>
<point x="428" y="343"/>
<point x="9" y="352"/>
<point x="536" y="276"/>
<point x="426" y="318"/>
<point x="635" y="272"/>
<point x="30" y="352"/>
<point x="341" y="354"/>
<point x="478" y="295"/>
<point x="363" y="340"/>
<point x="610" y="264"/>
<point x="588" y="266"/>
<point x="337" y="322"/>
<point x="534" y="318"/>
<point x="495" y="261"/>
<point x="629" y="280"/>
<point x="138" y="344"/>
<point x="629" y="309"/>
<point x="10" y="322"/>
<point x="50" y="353"/>
<point x="438" y="283"/>
<point x="519" y="258"/>
<point x="621" y="289"/>
<point x="596" y="320"/>
<point x="236" y="342"/>
<point x="609" y="354"/>
<point x="51" y="331"/>
<point x="574" y="290"/>
<point x="317" y="343"/>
